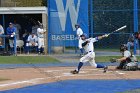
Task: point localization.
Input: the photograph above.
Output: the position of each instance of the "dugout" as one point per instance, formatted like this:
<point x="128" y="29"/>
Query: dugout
<point x="25" y="16"/>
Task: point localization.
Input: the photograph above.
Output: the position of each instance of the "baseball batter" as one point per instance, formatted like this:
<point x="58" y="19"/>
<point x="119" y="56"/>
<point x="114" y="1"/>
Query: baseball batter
<point x="40" y="33"/>
<point x="87" y="44"/>
<point x="79" y="32"/>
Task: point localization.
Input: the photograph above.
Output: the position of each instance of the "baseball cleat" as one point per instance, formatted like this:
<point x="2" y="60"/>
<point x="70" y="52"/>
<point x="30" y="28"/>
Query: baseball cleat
<point x="74" y="72"/>
<point x="105" y="69"/>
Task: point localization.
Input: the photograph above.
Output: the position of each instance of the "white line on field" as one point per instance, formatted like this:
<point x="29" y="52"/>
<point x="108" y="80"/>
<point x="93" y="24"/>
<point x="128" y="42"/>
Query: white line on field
<point x="118" y="72"/>
<point x="33" y="81"/>
<point x="67" y="69"/>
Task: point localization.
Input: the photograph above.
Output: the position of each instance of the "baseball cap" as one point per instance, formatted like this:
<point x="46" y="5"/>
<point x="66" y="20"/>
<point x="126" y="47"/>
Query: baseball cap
<point x="10" y="23"/>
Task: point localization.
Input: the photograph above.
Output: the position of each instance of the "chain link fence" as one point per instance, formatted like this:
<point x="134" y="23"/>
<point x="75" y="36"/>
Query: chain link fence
<point x="109" y="15"/>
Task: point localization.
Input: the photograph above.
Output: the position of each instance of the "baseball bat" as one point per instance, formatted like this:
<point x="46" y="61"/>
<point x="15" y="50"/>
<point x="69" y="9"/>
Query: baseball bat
<point x="119" y="29"/>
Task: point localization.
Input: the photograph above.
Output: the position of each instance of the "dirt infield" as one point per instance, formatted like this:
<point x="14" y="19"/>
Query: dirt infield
<point x="22" y="77"/>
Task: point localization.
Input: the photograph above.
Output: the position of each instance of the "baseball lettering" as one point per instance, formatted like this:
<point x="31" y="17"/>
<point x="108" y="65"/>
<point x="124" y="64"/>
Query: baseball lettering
<point x="63" y="11"/>
<point x="63" y="37"/>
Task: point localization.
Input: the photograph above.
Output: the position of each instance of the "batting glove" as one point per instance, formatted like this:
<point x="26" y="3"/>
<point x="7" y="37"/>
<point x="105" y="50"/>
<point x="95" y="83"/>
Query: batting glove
<point x="106" y="35"/>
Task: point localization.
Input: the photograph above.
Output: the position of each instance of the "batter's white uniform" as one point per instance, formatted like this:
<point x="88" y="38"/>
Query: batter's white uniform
<point x="32" y="40"/>
<point x="89" y="48"/>
<point x="40" y="33"/>
<point x="79" y="32"/>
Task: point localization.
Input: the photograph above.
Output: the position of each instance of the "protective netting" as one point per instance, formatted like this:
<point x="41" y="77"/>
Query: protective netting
<point x="112" y="4"/>
<point x="109" y="15"/>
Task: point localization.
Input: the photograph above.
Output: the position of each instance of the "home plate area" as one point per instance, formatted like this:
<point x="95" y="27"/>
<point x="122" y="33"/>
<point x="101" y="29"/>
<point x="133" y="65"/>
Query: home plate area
<point x="25" y="77"/>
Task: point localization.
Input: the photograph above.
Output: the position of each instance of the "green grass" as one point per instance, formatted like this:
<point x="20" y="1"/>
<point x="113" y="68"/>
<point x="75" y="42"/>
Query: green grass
<point x="26" y="59"/>
<point x="105" y="58"/>
<point x="107" y="49"/>
<point x="44" y="59"/>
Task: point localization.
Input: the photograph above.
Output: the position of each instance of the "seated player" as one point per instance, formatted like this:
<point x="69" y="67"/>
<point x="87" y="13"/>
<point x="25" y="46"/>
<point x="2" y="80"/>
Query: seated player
<point x="128" y="61"/>
<point x="90" y="56"/>
<point x="32" y="42"/>
<point x="126" y="56"/>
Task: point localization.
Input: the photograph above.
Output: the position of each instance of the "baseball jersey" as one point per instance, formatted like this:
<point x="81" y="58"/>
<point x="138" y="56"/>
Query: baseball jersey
<point x="32" y="39"/>
<point x="10" y="30"/>
<point x="39" y="33"/>
<point x="127" y="53"/>
<point x="89" y="47"/>
<point x="79" y="32"/>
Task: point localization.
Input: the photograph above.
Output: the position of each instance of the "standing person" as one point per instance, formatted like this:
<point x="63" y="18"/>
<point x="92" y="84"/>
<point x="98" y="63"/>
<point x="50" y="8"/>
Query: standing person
<point x="1" y="33"/>
<point x="130" y="42"/>
<point x="18" y="29"/>
<point x="11" y="30"/>
<point x="90" y="56"/>
<point x="79" y="32"/>
<point x="40" y="33"/>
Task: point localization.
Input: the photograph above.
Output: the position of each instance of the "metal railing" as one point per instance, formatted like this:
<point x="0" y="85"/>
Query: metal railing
<point x="4" y="43"/>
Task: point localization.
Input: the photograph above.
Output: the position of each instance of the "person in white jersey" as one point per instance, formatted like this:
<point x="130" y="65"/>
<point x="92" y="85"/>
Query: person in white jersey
<point x="88" y="45"/>
<point x="32" y="42"/>
<point x="79" y="32"/>
<point x="40" y="34"/>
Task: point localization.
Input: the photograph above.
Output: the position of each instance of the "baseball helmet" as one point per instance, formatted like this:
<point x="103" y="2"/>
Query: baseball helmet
<point x="10" y="23"/>
<point x="123" y="47"/>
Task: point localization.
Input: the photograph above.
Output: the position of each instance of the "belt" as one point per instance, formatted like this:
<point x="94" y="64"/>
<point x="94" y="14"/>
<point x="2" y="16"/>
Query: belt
<point x="89" y="51"/>
<point x="41" y="37"/>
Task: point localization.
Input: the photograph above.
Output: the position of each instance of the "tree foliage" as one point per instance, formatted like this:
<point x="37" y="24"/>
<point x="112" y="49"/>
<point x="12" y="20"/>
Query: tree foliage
<point x="30" y="3"/>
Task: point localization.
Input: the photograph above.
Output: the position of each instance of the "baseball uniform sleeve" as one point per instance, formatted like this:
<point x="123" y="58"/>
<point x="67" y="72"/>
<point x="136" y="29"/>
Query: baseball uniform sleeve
<point x="37" y="31"/>
<point x="36" y="39"/>
<point x="28" y="38"/>
<point x="7" y="31"/>
<point x="93" y="39"/>
<point x="127" y="54"/>
<point x="1" y="30"/>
